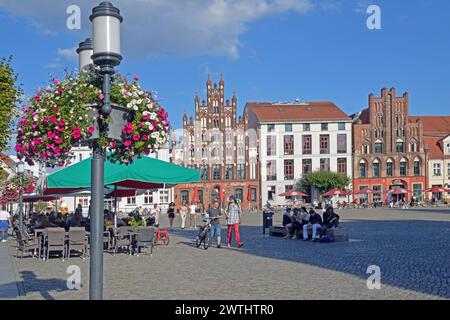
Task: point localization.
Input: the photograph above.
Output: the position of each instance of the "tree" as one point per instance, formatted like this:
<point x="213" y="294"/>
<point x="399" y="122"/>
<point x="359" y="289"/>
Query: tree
<point x="324" y="181"/>
<point x="10" y="94"/>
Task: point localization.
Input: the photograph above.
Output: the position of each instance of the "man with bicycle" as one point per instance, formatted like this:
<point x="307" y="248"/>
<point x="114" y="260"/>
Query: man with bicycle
<point x="215" y="213"/>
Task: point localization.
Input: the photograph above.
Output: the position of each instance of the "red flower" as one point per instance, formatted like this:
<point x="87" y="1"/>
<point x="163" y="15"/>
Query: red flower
<point x="136" y="137"/>
<point x="53" y="119"/>
<point x="128" y="143"/>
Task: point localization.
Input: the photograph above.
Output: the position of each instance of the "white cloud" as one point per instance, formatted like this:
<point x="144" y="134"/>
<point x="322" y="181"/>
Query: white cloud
<point x="174" y="27"/>
<point x="68" y="54"/>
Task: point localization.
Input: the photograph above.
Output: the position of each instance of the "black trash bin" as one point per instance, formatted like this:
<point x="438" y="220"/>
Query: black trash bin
<point x="267" y="220"/>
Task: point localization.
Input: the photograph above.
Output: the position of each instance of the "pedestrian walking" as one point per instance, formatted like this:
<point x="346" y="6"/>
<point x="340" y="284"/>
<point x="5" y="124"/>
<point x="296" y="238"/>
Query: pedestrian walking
<point x="192" y="216"/>
<point x="183" y="214"/>
<point x="5" y="221"/>
<point x="233" y="217"/>
<point x="215" y="213"/>
<point x="171" y="214"/>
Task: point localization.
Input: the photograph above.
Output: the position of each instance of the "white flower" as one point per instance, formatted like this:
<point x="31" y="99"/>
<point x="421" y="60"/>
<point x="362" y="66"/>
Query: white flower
<point x="129" y="105"/>
<point x="145" y="113"/>
<point x="155" y="135"/>
<point x="136" y="108"/>
<point x="152" y="116"/>
<point x="36" y="118"/>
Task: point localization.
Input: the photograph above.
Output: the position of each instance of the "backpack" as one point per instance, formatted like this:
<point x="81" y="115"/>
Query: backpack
<point x="326" y="239"/>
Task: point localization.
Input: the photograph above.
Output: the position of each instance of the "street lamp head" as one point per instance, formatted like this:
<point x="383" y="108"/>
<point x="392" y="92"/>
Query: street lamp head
<point x="21" y="167"/>
<point x="106" y="20"/>
<point x="85" y="51"/>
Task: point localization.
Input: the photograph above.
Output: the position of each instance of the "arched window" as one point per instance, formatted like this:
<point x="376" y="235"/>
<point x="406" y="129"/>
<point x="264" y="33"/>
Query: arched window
<point x="376" y="168"/>
<point x="365" y="149"/>
<point x="362" y="169"/>
<point x="378" y="146"/>
<point x="403" y="167"/>
<point x="413" y="147"/>
<point x="417" y="167"/>
<point x="400" y="146"/>
<point x="390" y="168"/>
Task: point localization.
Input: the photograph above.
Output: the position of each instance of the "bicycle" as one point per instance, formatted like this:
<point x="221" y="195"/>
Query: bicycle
<point x="204" y="235"/>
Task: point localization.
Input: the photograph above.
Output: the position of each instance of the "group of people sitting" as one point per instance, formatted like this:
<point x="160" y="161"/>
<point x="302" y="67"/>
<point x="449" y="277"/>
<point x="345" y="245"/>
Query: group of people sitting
<point x="300" y="219"/>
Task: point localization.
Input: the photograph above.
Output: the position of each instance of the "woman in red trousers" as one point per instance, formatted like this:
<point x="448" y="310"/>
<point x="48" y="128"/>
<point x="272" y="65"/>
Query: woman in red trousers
<point x="233" y="215"/>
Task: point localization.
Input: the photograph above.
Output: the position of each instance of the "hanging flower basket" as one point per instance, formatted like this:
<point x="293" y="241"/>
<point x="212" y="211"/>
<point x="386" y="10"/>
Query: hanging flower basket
<point x="65" y="114"/>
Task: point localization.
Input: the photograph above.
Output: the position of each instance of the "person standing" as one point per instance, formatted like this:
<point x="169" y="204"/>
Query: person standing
<point x="5" y="221"/>
<point x="171" y="214"/>
<point x="215" y="213"/>
<point x="155" y="213"/>
<point x="183" y="214"/>
<point x="192" y="214"/>
<point x="233" y="216"/>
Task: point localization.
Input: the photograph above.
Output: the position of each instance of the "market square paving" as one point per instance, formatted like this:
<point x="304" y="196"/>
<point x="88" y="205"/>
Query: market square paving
<point x="411" y="247"/>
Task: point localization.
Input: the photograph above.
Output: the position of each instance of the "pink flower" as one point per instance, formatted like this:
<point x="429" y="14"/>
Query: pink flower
<point x="145" y="138"/>
<point x="58" y="140"/>
<point x="136" y="137"/>
<point x="51" y="135"/>
<point x="53" y="119"/>
<point x="58" y="91"/>
<point x="37" y="98"/>
<point x="128" y="143"/>
<point x="62" y="123"/>
<point x="56" y="81"/>
<point x="113" y="145"/>
<point x="82" y="95"/>
<point x="91" y="129"/>
<point x="19" y="148"/>
<point x="101" y="96"/>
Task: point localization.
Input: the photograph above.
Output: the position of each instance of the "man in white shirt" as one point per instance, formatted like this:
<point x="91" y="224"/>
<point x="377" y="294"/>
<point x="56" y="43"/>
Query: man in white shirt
<point x="192" y="214"/>
<point x="5" y="221"/>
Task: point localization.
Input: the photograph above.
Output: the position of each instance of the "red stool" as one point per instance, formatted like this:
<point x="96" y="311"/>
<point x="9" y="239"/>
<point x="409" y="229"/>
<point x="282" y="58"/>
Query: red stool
<point x="163" y="235"/>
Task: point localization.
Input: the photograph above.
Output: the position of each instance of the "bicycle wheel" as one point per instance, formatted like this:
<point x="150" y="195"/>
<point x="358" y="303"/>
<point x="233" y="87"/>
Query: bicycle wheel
<point x="207" y="240"/>
<point x="198" y="241"/>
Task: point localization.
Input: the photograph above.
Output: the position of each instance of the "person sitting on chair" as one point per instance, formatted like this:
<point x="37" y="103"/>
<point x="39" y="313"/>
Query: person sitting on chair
<point x="287" y="222"/>
<point x="330" y="218"/>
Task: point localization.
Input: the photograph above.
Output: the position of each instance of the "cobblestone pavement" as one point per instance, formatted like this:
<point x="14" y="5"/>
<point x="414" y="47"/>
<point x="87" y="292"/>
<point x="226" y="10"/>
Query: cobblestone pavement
<point x="411" y="248"/>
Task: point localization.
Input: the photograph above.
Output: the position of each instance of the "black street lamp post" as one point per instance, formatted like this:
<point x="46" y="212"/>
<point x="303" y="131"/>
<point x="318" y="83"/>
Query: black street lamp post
<point x="106" y="20"/>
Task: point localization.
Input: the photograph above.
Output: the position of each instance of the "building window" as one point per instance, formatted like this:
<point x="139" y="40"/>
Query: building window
<point x="399" y="147"/>
<point x="216" y="172"/>
<point x="200" y="196"/>
<point x="362" y="169"/>
<point x="216" y="109"/>
<point x="306" y="127"/>
<point x="448" y="169"/>
<point x="376" y="169"/>
<point x="288" y="169"/>
<point x="184" y="196"/>
<point x="229" y="172"/>
<point x="324" y="144"/>
<point x="241" y="172"/>
<point x="417" y="191"/>
<point x="204" y="173"/>
<point x="131" y="201"/>
<point x="239" y="194"/>
<point x="324" y="164"/>
<point x="288" y="127"/>
<point x="437" y="169"/>
<point x="324" y="126"/>
<point x="271" y="170"/>
<point x="307" y="166"/>
<point x="365" y="149"/>
<point x="307" y="144"/>
<point x="253" y="195"/>
<point x="163" y="196"/>
<point x="271" y="145"/>
<point x="84" y="201"/>
<point x="341" y="126"/>
<point x="448" y="148"/>
<point x="270" y="128"/>
<point x="342" y="165"/>
<point x="342" y="143"/>
<point x="240" y="151"/>
<point x="403" y="168"/>
<point x="413" y="147"/>
<point x="376" y="198"/>
<point x="270" y="192"/>
<point x="148" y="197"/>
<point x="389" y="168"/>
<point x="289" y="145"/>
<point x="378" y="147"/>
<point x="417" y="168"/>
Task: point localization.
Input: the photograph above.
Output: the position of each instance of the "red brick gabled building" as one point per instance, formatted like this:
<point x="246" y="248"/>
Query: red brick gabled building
<point x="388" y="147"/>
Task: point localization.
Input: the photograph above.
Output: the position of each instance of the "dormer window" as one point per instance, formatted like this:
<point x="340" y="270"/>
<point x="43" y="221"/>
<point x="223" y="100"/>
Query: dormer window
<point x="448" y="148"/>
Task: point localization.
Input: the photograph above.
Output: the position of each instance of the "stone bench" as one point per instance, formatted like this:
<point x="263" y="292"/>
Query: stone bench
<point x="339" y="234"/>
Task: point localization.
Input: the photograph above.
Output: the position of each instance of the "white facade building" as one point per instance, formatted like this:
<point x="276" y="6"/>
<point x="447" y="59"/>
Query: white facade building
<point x="297" y="138"/>
<point x="146" y="199"/>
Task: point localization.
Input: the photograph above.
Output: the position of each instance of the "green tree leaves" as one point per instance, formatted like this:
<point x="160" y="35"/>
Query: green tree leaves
<point x="324" y="181"/>
<point x="10" y="94"/>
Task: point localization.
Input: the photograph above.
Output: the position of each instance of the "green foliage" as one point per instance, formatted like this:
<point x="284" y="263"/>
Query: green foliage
<point x="10" y="94"/>
<point x="3" y="176"/>
<point x="40" y="206"/>
<point x="324" y="181"/>
<point x="136" y="223"/>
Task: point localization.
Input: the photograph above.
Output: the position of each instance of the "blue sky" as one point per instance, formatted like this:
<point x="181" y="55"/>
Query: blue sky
<point x="267" y="50"/>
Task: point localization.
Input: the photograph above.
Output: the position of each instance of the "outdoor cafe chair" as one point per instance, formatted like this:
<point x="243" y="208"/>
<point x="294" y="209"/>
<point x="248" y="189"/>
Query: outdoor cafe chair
<point x="77" y="241"/>
<point x="122" y="238"/>
<point x="55" y="240"/>
<point x="27" y="243"/>
<point x="144" y="239"/>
